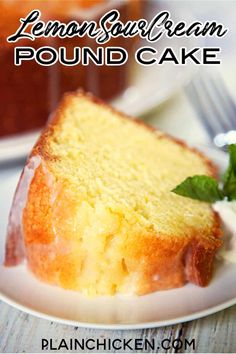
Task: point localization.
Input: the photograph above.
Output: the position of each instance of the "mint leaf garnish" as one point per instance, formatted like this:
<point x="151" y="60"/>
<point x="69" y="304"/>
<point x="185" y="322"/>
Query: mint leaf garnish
<point x="202" y="188"/>
<point x="206" y="188"/>
<point x="229" y="178"/>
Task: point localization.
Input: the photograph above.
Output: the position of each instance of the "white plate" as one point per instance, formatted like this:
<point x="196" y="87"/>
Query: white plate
<point x="19" y="288"/>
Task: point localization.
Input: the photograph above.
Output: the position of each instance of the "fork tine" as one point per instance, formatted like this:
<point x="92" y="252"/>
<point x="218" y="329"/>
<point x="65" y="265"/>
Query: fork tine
<point x="226" y="99"/>
<point x="200" y="101"/>
<point x="213" y="103"/>
<point x="195" y="99"/>
<point x="219" y="118"/>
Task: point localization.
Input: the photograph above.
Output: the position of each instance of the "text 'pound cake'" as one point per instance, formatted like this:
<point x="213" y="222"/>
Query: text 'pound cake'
<point x="94" y="211"/>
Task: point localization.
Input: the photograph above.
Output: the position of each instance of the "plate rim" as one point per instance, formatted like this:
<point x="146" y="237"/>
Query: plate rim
<point x="125" y="326"/>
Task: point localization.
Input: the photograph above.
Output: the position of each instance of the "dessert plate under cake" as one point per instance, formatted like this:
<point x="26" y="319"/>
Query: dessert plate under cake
<point x="21" y="289"/>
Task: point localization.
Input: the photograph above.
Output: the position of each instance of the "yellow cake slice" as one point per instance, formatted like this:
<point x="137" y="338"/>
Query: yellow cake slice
<point x="97" y="213"/>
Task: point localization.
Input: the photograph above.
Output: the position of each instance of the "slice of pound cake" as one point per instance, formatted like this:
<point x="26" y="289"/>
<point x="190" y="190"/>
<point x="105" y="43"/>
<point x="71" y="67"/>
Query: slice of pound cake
<point x="94" y="211"/>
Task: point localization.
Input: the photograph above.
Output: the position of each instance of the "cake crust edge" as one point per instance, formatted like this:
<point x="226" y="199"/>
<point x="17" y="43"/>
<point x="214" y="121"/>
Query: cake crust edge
<point x="179" y="261"/>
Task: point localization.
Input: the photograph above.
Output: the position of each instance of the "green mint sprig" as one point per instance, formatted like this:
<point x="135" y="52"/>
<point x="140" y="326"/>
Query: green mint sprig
<point x="208" y="189"/>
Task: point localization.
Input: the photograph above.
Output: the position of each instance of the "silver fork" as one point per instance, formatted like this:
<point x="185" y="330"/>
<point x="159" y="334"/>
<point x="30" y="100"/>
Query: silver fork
<point x="214" y="106"/>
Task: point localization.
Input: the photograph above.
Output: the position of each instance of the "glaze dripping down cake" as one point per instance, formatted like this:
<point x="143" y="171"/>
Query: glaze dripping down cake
<point x="94" y="211"/>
